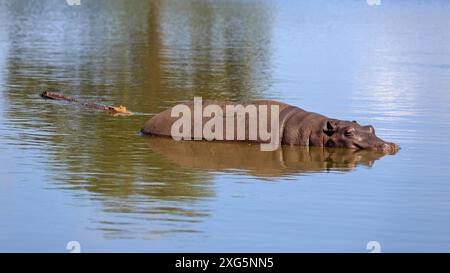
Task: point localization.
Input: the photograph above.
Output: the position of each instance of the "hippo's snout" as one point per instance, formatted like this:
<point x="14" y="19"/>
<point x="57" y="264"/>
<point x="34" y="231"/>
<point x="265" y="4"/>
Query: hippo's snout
<point x="388" y="148"/>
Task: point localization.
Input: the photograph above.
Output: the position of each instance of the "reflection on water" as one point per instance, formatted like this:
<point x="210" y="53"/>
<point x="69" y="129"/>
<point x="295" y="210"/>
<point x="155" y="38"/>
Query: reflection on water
<point x="77" y="174"/>
<point x="143" y="55"/>
<point x="234" y="157"/>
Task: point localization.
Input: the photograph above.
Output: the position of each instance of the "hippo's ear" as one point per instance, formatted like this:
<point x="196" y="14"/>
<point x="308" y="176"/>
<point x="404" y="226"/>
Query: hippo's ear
<point x="330" y="128"/>
<point x="370" y="129"/>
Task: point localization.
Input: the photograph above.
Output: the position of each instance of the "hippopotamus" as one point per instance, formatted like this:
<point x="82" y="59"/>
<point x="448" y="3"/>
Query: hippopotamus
<point x="296" y="127"/>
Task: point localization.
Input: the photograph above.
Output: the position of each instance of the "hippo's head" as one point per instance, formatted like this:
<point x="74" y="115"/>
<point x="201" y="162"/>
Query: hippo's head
<point x="349" y="134"/>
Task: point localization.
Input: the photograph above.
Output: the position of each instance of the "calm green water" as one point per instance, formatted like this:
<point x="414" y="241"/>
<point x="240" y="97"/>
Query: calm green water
<point x="71" y="174"/>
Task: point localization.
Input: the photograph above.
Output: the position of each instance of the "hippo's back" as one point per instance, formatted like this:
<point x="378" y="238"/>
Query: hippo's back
<point x="161" y="124"/>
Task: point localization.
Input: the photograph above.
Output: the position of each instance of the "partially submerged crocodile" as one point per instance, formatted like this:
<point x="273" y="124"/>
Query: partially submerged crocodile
<point x="116" y="110"/>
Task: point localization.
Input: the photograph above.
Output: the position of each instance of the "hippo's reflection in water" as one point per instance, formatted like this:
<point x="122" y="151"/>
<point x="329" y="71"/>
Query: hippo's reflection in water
<point x="165" y="187"/>
<point x="286" y="161"/>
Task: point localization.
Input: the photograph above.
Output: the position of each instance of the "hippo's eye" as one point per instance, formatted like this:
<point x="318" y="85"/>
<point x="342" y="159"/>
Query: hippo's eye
<point x="349" y="132"/>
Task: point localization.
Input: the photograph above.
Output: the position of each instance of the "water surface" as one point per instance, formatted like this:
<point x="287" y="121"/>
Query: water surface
<point x="68" y="173"/>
